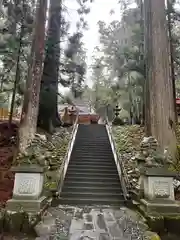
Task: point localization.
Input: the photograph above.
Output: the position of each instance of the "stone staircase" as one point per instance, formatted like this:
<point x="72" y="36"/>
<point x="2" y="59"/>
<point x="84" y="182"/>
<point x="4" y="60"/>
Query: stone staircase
<point x="92" y="176"/>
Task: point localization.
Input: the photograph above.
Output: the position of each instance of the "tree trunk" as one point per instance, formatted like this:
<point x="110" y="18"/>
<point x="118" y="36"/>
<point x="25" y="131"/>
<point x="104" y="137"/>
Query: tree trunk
<point x="31" y="97"/>
<point x="148" y="64"/>
<point x="48" y="111"/>
<point x="172" y="57"/>
<point x="161" y="114"/>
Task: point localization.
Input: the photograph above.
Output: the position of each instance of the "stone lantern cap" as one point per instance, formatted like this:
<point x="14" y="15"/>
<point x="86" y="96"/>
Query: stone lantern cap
<point x="157" y="172"/>
<point x="33" y="168"/>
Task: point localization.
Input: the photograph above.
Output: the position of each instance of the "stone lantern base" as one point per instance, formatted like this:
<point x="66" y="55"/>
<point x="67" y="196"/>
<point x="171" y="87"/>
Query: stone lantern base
<point x="27" y="191"/>
<point x="157" y="186"/>
<point x="30" y="206"/>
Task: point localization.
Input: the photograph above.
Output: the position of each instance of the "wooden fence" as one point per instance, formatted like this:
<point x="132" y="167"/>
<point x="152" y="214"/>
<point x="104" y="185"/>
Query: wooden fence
<point x="4" y="115"/>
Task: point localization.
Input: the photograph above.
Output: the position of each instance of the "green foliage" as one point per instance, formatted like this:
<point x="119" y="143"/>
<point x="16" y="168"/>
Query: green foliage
<point x="15" y="32"/>
<point x="17" y="23"/>
<point x="76" y="63"/>
<point x="119" y="60"/>
<point x="117" y="121"/>
<point x="119" y="70"/>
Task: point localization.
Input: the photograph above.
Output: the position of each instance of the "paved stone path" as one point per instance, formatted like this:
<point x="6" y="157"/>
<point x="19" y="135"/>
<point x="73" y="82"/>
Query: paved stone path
<point x="99" y="223"/>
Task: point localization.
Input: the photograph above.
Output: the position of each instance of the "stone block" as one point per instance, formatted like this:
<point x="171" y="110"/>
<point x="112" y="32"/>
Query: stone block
<point x="158" y="199"/>
<point x="84" y="235"/>
<point x="104" y="236"/>
<point x="157" y="183"/>
<point x="108" y="215"/>
<point x="28" y="185"/>
<point x="99" y="221"/>
<point x="30" y="206"/>
<point x="156" y="208"/>
<point x="28" y="182"/>
<point x="87" y="217"/>
<point x="158" y="187"/>
<point x="17" y="220"/>
<point x="76" y="225"/>
<point x="46" y="227"/>
<point x="88" y="226"/>
<point x="114" y="230"/>
<point x="27" y="191"/>
<point x="33" y="168"/>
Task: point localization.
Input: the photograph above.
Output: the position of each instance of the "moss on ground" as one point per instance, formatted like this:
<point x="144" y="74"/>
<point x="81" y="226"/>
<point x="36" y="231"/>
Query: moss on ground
<point x="128" y="137"/>
<point x="48" y="154"/>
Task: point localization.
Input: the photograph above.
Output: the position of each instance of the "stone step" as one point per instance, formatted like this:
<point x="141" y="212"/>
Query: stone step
<point x="93" y="179"/>
<point x="92" y="162"/>
<point x="92" y="159"/>
<point x="90" y="140"/>
<point x="89" y="174"/>
<point x="85" y="183"/>
<point x="92" y="154"/>
<point x="91" y="170"/>
<point x="88" y="188"/>
<point x="91" y="201"/>
<point x="87" y="154"/>
<point x="94" y="194"/>
<point x="90" y="150"/>
<point x="91" y="146"/>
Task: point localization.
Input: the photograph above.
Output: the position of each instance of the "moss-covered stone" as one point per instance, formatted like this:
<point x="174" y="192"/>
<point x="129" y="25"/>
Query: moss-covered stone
<point x="19" y="222"/>
<point x="172" y="224"/>
<point x="2" y="214"/>
<point x="127" y="139"/>
<point x="152" y="236"/>
<point x="156" y="224"/>
<point x="48" y="153"/>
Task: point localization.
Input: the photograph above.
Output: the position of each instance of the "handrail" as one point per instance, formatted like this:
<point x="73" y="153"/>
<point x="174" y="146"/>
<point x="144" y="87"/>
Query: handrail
<point x="65" y="163"/>
<point x="119" y="163"/>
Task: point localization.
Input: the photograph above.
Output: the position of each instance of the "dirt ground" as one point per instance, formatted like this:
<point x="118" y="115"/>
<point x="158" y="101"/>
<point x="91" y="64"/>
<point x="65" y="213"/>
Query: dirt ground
<point x="8" y="138"/>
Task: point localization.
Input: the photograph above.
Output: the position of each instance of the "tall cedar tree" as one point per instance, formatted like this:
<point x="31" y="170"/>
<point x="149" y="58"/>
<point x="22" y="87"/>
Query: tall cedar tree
<point x="160" y="112"/>
<point x="48" y="110"/>
<point x="31" y="97"/>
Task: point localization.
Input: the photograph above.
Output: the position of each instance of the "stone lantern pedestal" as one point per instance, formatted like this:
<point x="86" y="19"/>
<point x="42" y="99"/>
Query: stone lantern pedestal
<point x="27" y="191"/>
<point x="158" y="191"/>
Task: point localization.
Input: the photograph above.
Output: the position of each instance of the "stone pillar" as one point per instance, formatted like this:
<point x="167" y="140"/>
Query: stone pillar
<point x="28" y="188"/>
<point x="158" y="191"/>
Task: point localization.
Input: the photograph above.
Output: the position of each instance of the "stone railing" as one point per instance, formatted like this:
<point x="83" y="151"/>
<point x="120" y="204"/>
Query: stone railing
<point x="119" y="163"/>
<point x="66" y="160"/>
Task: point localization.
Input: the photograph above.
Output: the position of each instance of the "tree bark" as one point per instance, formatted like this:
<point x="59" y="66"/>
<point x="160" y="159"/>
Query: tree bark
<point x="160" y="96"/>
<point x="148" y="64"/>
<point x="48" y="112"/>
<point x="172" y="57"/>
<point x="31" y="98"/>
